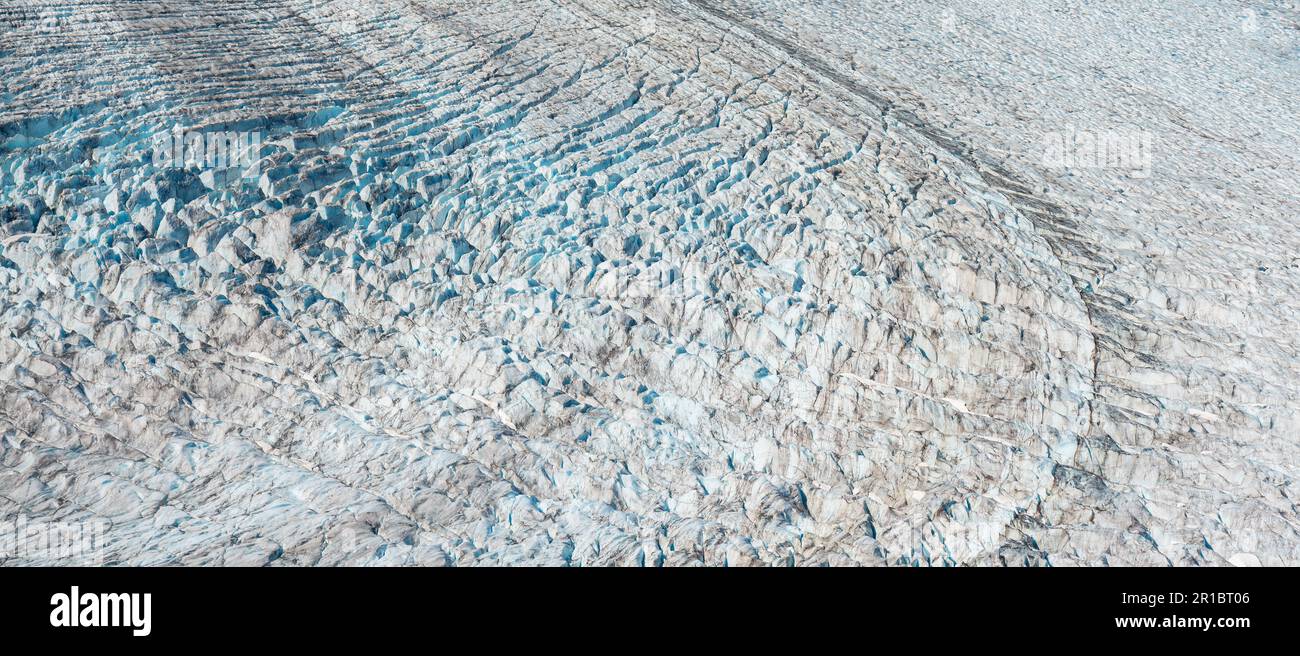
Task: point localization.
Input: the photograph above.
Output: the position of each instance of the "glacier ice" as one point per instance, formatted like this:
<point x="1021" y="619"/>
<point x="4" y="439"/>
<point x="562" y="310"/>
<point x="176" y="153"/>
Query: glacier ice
<point x="669" y="283"/>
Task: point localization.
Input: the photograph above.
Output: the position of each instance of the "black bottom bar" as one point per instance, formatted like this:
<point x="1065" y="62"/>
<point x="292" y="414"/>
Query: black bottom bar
<point x="246" y="608"/>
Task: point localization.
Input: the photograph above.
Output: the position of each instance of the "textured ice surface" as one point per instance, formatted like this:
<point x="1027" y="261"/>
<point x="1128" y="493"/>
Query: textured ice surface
<point x="673" y="283"/>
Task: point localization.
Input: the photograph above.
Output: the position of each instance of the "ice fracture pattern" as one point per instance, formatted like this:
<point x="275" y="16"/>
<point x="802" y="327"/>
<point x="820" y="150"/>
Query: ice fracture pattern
<point x="550" y="282"/>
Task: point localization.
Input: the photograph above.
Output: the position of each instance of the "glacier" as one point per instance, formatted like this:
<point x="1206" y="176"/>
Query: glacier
<point x="668" y="282"/>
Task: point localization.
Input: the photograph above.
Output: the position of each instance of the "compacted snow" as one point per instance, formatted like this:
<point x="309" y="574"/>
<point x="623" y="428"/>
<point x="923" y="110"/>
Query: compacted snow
<point x="662" y="283"/>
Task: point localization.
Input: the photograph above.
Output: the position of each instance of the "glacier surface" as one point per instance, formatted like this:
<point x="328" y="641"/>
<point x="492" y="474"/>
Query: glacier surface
<point x="656" y="283"/>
